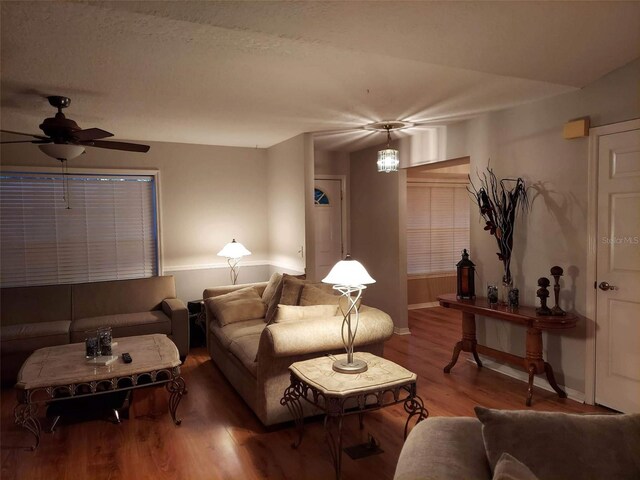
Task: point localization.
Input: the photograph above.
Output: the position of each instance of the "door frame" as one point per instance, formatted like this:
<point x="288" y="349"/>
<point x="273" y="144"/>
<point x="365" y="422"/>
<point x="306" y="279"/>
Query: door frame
<point x="592" y="249"/>
<point x="344" y="207"/>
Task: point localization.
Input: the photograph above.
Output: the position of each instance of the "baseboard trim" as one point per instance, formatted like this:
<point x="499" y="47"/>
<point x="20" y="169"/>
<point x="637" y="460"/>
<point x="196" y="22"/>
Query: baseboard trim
<point x="538" y="381"/>
<point x="401" y="331"/>
<point x="416" y="306"/>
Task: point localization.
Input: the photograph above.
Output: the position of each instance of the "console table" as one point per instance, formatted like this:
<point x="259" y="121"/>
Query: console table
<point x="533" y="362"/>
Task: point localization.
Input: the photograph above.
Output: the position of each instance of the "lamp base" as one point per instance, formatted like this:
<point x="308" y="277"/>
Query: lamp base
<point x="357" y="366"/>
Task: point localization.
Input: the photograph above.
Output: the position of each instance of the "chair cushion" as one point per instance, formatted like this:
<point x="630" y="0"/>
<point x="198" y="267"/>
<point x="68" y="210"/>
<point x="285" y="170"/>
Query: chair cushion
<point x="295" y="313"/>
<point x="238" y="306"/>
<point x="27" y="337"/>
<point x="123" y="325"/>
<point x="561" y="445"/>
<point x="510" y="468"/>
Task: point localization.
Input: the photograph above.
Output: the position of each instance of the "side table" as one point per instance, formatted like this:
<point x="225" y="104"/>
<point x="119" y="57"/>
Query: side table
<point x="384" y="383"/>
<point x="197" y="323"/>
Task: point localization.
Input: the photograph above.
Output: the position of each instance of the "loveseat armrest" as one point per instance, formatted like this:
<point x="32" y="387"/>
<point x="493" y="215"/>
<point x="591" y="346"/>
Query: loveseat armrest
<point x="323" y="334"/>
<point x="176" y="310"/>
<point x="444" y="448"/>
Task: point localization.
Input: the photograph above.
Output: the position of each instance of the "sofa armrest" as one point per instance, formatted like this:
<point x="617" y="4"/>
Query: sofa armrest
<point x="177" y="311"/>
<point x="323" y="334"/>
<point x="444" y="448"/>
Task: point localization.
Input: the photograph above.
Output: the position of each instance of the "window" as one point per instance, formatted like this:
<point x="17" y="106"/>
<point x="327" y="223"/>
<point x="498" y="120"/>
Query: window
<point x="437" y="227"/>
<point x="108" y="233"/>
<point x="320" y="198"/>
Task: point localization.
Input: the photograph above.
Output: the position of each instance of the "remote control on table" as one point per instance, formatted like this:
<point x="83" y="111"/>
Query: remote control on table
<point x="126" y="358"/>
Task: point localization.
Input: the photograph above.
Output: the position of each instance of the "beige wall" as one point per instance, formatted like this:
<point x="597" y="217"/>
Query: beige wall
<point x="286" y="185"/>
<point x="527" y="141"/>
<point x="208" y="195"/>
<point x="378" y="205"/>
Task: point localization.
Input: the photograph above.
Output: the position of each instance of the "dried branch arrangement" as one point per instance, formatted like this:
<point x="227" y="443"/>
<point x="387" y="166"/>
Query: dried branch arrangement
<point x="500" y="201"/>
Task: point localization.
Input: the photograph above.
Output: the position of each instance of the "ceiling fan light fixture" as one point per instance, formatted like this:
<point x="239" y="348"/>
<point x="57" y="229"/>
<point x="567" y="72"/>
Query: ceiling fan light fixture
<point x="62" y="151"/>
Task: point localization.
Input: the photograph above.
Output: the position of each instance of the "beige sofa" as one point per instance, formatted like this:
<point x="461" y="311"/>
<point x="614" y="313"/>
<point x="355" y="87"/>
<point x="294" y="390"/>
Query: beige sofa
<point x="526" y="445"/>
<point x="255" y="357"/>
<point x="43" y="316"/>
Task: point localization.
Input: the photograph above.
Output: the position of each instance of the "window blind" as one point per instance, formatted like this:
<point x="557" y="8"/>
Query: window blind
<point x="108" y="233"/>
<point x="437" y="227"/>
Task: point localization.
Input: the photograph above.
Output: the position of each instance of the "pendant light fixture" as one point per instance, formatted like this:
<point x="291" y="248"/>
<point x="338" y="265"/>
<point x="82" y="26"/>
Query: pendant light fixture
<point x="389" y="158"/>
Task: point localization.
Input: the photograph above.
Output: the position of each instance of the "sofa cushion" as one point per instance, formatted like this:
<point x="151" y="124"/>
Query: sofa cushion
<point x="295" y="313"/>
<point x="245" y="349"/>
<point x="272" y="286"/>
<point x="314" y="295"/>
<point x="121" y="296"/>
<point x="510" y="468"/>
<point x="47" y="303"/>
<point x="236" y="330"/>
<point x="238" y="306"/>
<point x="560" y="445"/>
<point x="123" y="325"/>
<point x="27" y="337"/>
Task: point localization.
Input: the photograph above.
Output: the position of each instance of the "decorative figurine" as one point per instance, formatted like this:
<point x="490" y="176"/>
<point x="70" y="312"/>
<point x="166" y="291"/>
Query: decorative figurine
<point x="556" y="272"/>
<point x="542" y="293"/>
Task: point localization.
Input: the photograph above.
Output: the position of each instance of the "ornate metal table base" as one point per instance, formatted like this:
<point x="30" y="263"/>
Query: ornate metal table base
<point x="28" y="400"/>
<point x="336" y="407"/>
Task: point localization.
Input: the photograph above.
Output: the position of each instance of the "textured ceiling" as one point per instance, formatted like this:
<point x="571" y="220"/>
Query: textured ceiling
<point x="257" y="73"/>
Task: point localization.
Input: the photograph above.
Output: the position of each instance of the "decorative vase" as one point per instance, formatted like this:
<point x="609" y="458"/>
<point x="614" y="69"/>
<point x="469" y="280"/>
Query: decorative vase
<point x="513" y="298"/>
<point x="492" y="294"/>
<point x="507" y="285"/>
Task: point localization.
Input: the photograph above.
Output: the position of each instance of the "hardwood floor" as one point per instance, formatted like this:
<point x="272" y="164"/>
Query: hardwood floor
<point x="220" y="438"/>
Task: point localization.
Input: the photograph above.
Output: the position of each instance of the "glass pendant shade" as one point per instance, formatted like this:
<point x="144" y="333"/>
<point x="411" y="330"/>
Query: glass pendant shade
<point x="62" y="151"/>
<point x="388" y="160"/>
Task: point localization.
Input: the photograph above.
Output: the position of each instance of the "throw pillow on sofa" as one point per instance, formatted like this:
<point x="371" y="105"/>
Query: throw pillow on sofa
<point x="294" y="313"/>
<point x="287" y="296"/>
<point x="510" y="468"/>
<point x="561" y="445"/>
<point x="237" y="306"/>
<point x="271" y="288"/>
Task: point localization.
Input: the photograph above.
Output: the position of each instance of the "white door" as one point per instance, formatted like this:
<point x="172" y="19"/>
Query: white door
<point x="618" y="264"/>
<point x="327" y="211"/>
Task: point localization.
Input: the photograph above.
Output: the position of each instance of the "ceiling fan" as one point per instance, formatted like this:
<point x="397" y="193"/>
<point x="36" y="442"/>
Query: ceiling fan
<point x="60" y="130"/>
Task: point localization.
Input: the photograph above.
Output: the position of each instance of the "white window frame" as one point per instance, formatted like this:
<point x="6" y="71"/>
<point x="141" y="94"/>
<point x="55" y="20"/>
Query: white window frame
<point x="155" y="173"/>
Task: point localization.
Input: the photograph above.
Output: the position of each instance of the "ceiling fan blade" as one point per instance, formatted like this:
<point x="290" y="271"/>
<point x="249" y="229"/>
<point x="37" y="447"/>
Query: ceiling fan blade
<point x="26" y="141"/>
<point x="40" y="137"/>
<point x="91" y="134"/>
<point x="127" y="147"/>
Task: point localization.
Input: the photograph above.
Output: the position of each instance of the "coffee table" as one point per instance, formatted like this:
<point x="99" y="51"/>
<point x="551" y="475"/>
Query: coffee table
<point x="384" y="383"/>
<point x="59" y="373"/>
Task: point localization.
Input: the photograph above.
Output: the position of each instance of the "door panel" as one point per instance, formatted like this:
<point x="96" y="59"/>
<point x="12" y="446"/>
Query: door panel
<point x="618" y="263"/>
<point x="328" y="225"/>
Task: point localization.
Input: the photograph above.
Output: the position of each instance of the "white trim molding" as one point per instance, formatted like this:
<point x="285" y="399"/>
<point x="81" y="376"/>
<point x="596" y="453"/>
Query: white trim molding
<point x="592" y="245"/>
<point x="416" y="306"/>
<point x="401" y="331"/>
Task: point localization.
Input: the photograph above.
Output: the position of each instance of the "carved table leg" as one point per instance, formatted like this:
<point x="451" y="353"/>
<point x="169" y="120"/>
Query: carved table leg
<point x="334" y="440"/>
<point x="25" y="416"/>
<point x="468" y="342"/>
<point x="454" y="357"/>
<point x="532" y="372"/>
<point x="176" y="388"/>
<point x="291" y="399"/>
<point x="414" y="406"/>
<point x="552" y="380"/>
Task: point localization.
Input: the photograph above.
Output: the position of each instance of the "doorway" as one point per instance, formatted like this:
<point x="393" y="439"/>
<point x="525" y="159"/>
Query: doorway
<point x="613" y="345"/>
<point x="330" y="218"/>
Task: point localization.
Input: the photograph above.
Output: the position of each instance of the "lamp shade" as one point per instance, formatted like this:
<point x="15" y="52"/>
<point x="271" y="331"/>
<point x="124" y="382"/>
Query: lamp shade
<point x="388" y="160"/>
<point x="348" y="272"/>
<point x="234" y="250"/>
<point x="62" y="151"/>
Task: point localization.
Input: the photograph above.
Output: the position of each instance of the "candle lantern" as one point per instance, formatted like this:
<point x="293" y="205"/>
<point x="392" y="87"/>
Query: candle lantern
<point x="466" y="269"/>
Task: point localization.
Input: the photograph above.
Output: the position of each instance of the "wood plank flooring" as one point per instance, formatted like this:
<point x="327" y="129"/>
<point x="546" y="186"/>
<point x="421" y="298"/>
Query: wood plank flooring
<point x="220" y="438"/>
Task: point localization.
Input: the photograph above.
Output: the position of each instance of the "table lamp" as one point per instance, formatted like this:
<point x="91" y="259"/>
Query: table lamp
<point x="348" y="276"/>
<point x="234" y="251"/>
